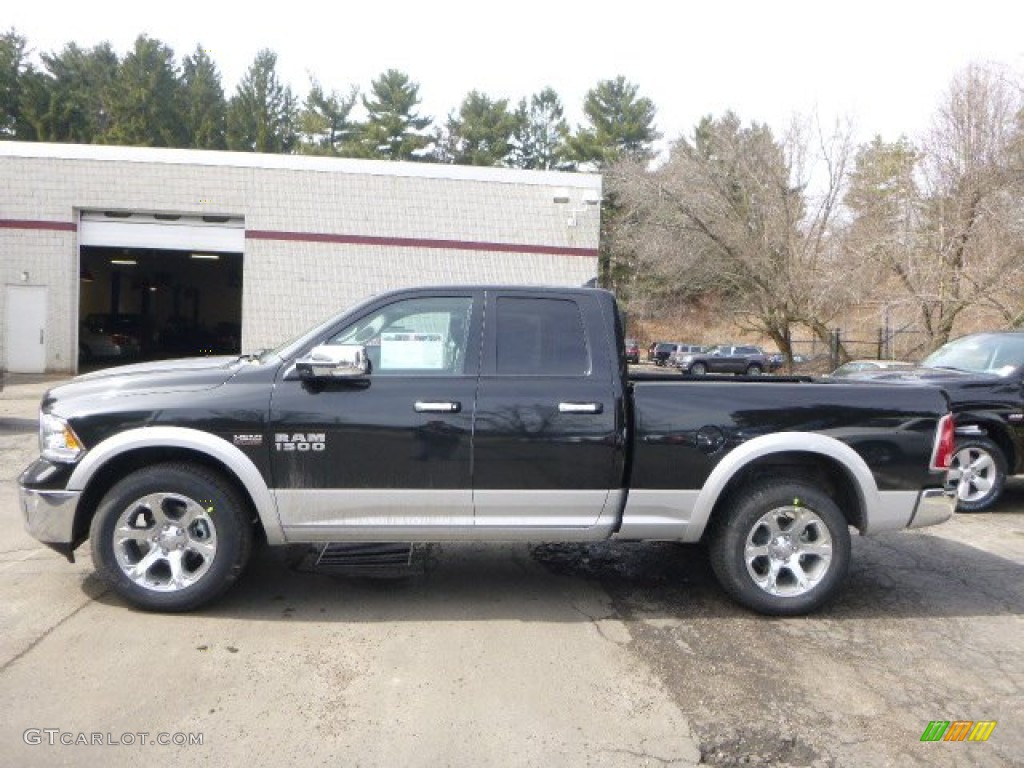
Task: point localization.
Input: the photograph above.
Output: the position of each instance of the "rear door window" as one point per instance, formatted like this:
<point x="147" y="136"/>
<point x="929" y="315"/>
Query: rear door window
<point x="541" y="337"/>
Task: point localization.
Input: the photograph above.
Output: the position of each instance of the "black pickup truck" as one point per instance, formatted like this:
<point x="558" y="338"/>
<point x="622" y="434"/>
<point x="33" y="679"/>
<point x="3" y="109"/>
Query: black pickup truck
<point x="479" y="413"/>
<point x="983" y="375"/>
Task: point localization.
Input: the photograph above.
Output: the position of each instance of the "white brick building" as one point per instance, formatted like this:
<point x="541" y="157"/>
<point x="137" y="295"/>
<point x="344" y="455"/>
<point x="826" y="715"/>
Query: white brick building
<point x="287" y="240"/>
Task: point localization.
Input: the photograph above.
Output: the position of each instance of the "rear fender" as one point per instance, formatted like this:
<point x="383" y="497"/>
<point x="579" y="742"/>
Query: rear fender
<point x="873" y="511"/>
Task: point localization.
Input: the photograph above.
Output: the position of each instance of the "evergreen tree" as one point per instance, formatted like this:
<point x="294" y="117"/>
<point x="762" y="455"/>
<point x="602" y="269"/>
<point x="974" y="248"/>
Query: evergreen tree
<point x="620" y="125"/>
<point x="146" y="103"/>
<point x="480" y="134"/>
<point x="539" y="139"/>
<point x="393" y="129"/>
<point x="263" y="112"/>
<point x="69" y="101"/>
<point x="205" y="109"/>
<point x="14" y="69"/>
<point x="324" y="124"/>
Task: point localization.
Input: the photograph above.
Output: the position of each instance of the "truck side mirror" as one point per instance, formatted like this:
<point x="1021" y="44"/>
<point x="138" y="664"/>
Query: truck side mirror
<point x="339" y="361"/>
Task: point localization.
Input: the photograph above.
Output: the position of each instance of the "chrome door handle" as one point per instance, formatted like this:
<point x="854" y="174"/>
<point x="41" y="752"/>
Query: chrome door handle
<point x="580" y="407"/>
<point x="437" y="406"/>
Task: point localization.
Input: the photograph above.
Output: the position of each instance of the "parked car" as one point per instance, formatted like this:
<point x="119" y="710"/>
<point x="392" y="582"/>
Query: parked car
<point x="664" y="350"/>
<point x="682" y="350"/>
<point x="726" y="358"/>
<point x="632" y="350"/>
<point x="108" y="336"/>
<point x="855" y="368"/>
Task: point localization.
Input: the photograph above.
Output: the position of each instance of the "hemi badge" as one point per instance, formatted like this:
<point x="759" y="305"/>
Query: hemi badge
<point x="247" y="440"/>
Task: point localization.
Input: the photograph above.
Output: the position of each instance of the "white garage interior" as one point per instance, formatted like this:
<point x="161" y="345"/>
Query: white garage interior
<point x="155" y="285"/>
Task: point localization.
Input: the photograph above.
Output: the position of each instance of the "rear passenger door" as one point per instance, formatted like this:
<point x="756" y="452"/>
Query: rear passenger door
<point x="546" y="447"/>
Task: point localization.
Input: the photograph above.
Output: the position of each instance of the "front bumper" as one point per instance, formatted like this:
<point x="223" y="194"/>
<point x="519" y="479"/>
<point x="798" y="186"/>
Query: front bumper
<point x="50" y="517"/>
<point x="936" y="505"/>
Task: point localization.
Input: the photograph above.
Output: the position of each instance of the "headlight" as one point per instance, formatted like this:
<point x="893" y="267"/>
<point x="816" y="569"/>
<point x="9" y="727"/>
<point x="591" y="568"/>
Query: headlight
<point x="57" y="441"/>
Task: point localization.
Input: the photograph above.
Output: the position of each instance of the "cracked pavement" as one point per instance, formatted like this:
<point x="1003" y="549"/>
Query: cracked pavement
<point x="603" y="655"/>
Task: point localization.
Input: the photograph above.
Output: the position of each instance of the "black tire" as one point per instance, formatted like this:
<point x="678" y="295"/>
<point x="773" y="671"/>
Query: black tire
<point x="171" y="517"/>
<point x="758" y="525"/>
<point x="698" y="369"/>
<point x="754" y="370"/>
<point x="983" y="473"/>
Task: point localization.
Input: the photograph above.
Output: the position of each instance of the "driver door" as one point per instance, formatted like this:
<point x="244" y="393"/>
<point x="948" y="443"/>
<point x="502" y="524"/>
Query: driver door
<point x="387" y="453"/>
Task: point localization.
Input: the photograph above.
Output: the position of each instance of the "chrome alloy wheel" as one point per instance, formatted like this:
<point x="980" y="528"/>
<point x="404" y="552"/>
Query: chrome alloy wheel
<point x="788" y="551"/>
<point x="977" y="471"/>
<point x="165" y="542"/>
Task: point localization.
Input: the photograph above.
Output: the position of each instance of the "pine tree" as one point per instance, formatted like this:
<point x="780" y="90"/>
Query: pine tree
<point x="69" y="100"/>
<point x="324" y="124"/>
<point x="205" y="106"/>
<point x="480" y="134"/>
<point x="147" y="99"/>
<point x="539" y="139"/>
<point x="393" y="129"/>
<point x="620" y="125"/>
<point x="14" y="69"/>
<point x="262" y="114"/>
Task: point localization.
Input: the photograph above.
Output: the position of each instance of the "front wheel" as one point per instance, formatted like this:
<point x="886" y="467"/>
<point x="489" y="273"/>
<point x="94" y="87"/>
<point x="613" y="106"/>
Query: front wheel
<point x="982" y="473"/>
<point x="781" y="548"/>
<point x="171" y="537"/>
<point x="754" y="370"/>
<point x="698" y="369"/>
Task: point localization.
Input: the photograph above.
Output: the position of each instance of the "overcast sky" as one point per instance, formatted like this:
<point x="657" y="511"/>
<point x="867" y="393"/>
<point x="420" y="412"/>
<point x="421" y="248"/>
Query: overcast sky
<point x="885" y="65"/>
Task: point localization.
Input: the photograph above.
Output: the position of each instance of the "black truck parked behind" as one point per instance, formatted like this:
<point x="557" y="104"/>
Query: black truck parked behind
<point x="983" y="375"/>
<point x="477" y="413"/>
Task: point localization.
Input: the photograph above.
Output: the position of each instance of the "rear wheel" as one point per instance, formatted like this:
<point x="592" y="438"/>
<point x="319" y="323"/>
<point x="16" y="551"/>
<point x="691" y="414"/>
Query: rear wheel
<point x="781" y="548"/>
<point x="982" y="473"/>
<point x="171" y="537"/>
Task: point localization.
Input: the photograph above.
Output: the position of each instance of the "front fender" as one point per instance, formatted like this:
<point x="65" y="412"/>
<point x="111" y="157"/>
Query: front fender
<point x="191" y="439"/>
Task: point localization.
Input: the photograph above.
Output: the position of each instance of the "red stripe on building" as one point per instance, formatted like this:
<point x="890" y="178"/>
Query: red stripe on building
<point x="417" y="242"/>
<point x="52" y="226"/>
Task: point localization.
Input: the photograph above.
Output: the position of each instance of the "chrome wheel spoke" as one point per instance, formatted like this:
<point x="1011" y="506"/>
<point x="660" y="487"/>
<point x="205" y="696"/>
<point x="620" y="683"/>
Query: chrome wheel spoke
<point x="796" y="568"/>
<point x="983" y="483"/>
<point x="154" y="505"/>
<point x="125" y="532"/>
<point x="138" y="571"/>
<point x="817" y="549"/>
<point x="205" y="549"/>
<point x="983" y="463"/>
<point x="178" y="579"/>
<point x="753" y="551"/>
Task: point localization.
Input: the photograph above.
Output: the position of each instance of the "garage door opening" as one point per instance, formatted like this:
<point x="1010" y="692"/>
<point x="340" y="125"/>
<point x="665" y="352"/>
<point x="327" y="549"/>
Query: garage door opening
<point x="153" y="288"/>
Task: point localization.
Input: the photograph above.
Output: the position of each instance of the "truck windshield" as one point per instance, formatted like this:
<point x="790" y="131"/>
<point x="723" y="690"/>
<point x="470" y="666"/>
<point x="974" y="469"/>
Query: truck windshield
<point x="997" y="353"/>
